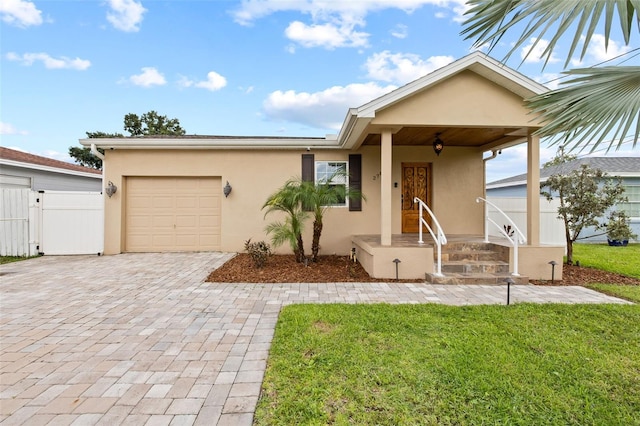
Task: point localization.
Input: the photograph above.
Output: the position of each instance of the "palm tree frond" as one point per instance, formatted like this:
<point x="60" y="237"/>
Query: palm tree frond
<point x="590" y="106"/>
<point x="489" y="20"/>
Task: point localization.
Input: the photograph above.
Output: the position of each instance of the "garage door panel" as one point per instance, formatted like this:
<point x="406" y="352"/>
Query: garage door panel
<point x="187" y="202"/>
<point x="172" y="214"/>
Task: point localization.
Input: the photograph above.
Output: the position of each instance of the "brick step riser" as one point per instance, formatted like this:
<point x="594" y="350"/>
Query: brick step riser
<point x="472" y="256"/>
<point x="475" y="269"/>
<point x="499" y="280"/>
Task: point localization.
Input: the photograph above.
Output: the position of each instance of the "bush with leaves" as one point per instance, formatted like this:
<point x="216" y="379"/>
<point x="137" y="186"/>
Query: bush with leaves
<point x="259" y="252"/>
<point x="618" y="228"/>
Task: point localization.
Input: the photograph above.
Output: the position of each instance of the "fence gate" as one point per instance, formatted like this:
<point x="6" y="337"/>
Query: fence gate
<point x="72" y="222"/>
<point x="19" y="222"/>
<point x="51" y="222"/>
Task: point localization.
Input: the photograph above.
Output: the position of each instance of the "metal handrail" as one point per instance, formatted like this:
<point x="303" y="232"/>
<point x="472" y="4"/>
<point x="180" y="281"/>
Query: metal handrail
<point x="516" y="238"/>
<point x="440" y="239"/>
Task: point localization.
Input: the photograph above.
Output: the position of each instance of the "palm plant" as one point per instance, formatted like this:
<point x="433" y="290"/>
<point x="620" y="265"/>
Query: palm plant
<point x="598" y="101"/>
<point x="287" y="200"/>
<point x="318" y="197"/>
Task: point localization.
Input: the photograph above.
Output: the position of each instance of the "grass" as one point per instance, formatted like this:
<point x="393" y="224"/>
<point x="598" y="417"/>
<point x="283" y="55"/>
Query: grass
<point x="10" y="259"/>
<point x="441" y="365"/>
<point x="628" y="292"/>
<point x="622" y="260"/>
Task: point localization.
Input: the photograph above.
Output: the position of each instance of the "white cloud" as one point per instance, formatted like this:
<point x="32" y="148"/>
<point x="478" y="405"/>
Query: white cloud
<point x="326" y="35"/>
<point x="9" y="129"/>
<point x="324" y="109"/>
<point x="333" y="22"/>
<point x="149" y="77"/>
<point x="533" y="52"/>
<point x="400" y="31"/>
<point x="213" y="82"/>
<point x="49" y="62"/>
<point x="401" y="68"/>
<point x="551" y="80"/>
<point x="597" y="52"/>
<point x="125" y="15"/>
<point x="20" y="13"/>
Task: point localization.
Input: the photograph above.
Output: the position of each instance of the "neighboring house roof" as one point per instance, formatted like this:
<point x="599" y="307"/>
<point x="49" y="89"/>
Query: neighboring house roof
<point x="12" y="157"/>
<point x="613" y="166"/>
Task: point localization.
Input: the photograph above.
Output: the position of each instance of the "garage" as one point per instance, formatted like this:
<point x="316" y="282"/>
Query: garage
<point x="165" y="214"/>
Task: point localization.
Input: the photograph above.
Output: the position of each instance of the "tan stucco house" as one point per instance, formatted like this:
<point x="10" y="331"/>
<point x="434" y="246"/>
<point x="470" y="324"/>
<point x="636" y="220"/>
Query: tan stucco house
<point x="170" y="190"/>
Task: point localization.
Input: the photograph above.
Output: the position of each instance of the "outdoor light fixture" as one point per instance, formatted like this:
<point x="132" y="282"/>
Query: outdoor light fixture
<point x="553" y="264"/>
<point x="438" y="144"/>
<point x="110" y="189"/>
<point x="227" y="190"/>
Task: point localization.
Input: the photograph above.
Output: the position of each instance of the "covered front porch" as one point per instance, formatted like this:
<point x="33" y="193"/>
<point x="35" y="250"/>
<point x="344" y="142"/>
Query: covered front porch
<point x="430" y="141"/>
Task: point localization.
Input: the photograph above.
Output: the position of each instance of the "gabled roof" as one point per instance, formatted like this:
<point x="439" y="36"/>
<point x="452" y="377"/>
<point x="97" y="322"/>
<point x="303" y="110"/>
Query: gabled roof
<point x="357" y="119"/>
<point x="12" y="157"/>
<point x="613" y="166"/>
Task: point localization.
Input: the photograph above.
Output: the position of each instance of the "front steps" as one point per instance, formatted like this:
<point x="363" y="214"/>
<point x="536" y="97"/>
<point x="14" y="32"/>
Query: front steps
<point x="474" y="263"/>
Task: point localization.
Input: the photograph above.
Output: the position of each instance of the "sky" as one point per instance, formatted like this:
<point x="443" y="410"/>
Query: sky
<point x="252" y="67"/>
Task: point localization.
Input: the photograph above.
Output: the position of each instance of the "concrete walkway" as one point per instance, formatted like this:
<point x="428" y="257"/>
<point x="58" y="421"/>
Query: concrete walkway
<point x="142" y="339"/>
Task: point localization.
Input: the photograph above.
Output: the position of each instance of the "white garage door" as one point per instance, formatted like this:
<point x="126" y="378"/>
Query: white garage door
<point x="172" y="214"/>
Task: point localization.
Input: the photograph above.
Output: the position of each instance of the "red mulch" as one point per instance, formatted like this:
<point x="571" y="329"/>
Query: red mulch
<point x="578" y="275"/>
<point x="284" y="269"/>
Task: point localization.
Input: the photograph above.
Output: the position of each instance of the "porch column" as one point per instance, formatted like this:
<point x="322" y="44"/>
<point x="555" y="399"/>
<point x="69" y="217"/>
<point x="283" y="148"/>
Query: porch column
<point x="385" y="187"/>
<point x="533" y="190"/>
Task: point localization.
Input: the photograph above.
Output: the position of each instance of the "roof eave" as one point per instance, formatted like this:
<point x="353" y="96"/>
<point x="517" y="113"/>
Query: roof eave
<point x="50" y="169"/>
<point x="211" y="143"/>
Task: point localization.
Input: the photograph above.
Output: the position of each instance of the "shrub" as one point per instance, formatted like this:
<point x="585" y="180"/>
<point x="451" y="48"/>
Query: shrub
<point x="259" y="252"/>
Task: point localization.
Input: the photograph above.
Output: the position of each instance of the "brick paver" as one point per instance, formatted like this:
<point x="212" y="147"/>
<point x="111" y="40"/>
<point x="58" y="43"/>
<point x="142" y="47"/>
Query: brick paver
<point x="142" y="339"/>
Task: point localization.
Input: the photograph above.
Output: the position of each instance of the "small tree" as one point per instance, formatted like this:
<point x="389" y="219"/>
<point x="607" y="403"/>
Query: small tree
<point x="151" y="123"/>
<point x="318" y="197"/>
<point x="585" y="195"/>
<point x="287" y="200"/>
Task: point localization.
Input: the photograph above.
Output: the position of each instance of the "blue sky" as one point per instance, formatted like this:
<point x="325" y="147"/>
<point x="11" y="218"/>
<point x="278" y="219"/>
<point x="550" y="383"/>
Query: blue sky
<point x="253" y="67"/>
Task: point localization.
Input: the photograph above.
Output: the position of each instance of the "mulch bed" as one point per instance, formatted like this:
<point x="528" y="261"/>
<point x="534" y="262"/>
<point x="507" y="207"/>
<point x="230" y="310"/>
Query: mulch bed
<point x="284" y="269"/>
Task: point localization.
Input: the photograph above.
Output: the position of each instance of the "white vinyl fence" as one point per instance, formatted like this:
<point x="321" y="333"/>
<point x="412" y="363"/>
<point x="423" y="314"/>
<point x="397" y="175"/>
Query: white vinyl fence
<point x="551" y="228"/>
<point x="51" y="222"/>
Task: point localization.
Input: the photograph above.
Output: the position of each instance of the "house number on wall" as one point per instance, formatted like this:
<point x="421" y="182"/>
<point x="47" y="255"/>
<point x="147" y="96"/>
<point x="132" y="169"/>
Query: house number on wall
<point x="377" y="176"/>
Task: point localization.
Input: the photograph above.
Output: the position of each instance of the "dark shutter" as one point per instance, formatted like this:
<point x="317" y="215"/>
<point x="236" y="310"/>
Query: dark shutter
<point x="355" y="181"/>
<point x="308" y="169"/>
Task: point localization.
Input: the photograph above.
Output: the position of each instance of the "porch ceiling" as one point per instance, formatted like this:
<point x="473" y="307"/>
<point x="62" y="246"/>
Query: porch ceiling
<point x="487" y="138"/>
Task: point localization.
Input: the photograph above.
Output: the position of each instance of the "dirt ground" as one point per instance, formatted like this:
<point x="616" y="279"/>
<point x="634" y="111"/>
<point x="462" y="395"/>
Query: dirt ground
<point x="284" y="269"/>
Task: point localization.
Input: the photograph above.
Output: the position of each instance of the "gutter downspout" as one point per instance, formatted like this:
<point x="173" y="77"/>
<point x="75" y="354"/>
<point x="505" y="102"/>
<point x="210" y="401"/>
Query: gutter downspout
<point x="94" y="151"/>
<point x="494" y="154"/>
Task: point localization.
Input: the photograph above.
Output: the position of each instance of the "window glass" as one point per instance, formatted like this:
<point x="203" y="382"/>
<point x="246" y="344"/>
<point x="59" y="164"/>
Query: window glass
<point x="632" y="207"/>
<point x="335" y="174"/>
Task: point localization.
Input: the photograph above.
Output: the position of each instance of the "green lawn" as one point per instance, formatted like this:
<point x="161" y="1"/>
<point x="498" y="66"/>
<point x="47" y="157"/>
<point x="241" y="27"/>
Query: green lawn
<point x="9" y="259"/>
<point x="628" y="292"/>
<point x="431" y="364"/>
<point x="622" y="260"/>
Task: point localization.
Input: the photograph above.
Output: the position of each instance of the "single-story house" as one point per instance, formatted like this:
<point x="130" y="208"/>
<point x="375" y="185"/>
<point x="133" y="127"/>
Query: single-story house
<point x="627" y="169"/>
<point x="22" y="170"/>
<point x="170" y="195"/>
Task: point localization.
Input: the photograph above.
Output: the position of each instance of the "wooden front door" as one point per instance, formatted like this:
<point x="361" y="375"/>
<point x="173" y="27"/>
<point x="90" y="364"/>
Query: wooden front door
<point x="416" y="182"/>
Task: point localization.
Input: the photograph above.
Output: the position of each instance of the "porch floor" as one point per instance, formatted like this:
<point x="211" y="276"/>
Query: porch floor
<point x="411" y="240"/>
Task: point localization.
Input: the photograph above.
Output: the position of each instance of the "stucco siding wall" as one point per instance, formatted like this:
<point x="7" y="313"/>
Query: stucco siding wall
<point x="254" y="175"/>
<point x="462" y="100"/>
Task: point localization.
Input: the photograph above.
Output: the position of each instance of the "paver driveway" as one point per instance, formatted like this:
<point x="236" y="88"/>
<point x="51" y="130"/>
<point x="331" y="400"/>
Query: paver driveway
<point x="142" y="339"/>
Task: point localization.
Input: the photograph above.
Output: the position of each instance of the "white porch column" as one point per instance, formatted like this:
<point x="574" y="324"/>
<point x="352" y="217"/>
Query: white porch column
<point x="385" y="187"/>
<point x="533" y="190"/>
